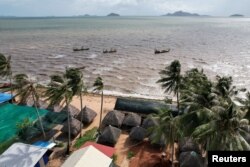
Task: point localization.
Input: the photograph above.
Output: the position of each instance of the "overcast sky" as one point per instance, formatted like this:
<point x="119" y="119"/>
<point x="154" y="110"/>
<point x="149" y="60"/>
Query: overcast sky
<point x="122" y="7"/>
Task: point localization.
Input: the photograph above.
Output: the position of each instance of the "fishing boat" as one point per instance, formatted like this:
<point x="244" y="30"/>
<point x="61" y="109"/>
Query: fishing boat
<point x="80" y="49"/>
<point x="161" y="51"/>
<point x="109" y="51"/>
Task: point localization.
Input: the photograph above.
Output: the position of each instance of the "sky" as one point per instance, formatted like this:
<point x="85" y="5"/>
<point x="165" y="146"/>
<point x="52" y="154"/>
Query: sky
<point x="122" y="7"/>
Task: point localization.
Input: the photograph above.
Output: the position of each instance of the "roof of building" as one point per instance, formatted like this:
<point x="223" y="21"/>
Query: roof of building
<point x="5" y="97"/>
<point x="109" y="151"/>
<point x="88" y="156"/>
<point x="20" y="155"/>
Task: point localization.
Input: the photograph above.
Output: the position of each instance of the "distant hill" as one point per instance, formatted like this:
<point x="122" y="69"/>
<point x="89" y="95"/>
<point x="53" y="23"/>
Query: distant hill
<point x="181" y="13"/>
<point x="113" y="14"/>
<point x="237" y="15"/>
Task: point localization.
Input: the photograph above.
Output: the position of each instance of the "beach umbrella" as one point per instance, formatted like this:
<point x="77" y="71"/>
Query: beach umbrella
<point x="137" y="133"/>
<point x="132" y="120"/>
<point x="72" y="110"/>
<point x="149" y="122"/>
<point x="88" y="115"/>
<point x="187" y="144"/>
<point x="190" y="158"/>
<point x="114" y="118"/>
<point x="109" y="136"/>
<point x="74" y="127"/>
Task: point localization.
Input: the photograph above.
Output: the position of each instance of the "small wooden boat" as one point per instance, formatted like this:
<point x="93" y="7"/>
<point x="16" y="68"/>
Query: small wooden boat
<point x="80" y="49"/>
<point x="161" y="51"/>
<point x="109" y="51"/>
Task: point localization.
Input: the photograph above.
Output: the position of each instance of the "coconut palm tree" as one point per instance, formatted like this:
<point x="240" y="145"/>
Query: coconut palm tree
<point x="6" y="70"/>
<point x="220" y="128"/>
<point x="98" y="86"/>
<point x="171" y="79"/>
<point x="75" y="78"/>
<point x="26" y="88"/>
<point x="59" y="92"/>
<point x="166" y="129"/>
<point x="246" y="105"/>
<point x="197" y="90"/>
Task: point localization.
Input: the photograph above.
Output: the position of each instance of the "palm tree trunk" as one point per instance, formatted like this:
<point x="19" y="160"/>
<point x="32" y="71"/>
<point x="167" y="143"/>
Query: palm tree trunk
<point x="178" y="102"/>
<point x="38" y="116"/>
<point x="11" y="90"/>
<point x="81" y="113"/>
<point x="101" y="111"/>
<point x="172" y="156"/>
<point x="69" y="133"/>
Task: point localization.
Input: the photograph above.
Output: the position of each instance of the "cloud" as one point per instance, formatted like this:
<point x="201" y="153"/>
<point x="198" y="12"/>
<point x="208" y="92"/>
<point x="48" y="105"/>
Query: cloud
<point x="123" y="7"/>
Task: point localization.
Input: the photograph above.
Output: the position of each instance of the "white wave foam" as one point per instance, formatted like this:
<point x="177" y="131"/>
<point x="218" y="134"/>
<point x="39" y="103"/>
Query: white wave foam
<point x="57" y="56"/>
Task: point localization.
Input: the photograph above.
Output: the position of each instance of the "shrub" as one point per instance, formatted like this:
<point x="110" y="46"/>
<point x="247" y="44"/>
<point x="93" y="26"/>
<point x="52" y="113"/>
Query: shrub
<point x="130" y="154"/>
<point x="88" y="136"/>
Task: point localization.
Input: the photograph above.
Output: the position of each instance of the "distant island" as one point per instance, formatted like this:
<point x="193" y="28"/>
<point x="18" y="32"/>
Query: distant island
<point x="181" y="13"/>
<point x="113" y="14"/>
<point x="237" y="15"/>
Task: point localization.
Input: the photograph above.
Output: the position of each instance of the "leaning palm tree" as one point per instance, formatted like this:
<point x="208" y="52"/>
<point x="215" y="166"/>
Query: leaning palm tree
<point x="58" y="92"/>
<point x="75" y="77"/>
<point x="171" y="79"/>
<point x="98" y="86"/>
<point x="165" y="129"/>
<point x="222" y="129"/>
<point x="6" y="70"/>
<point x="26" y="88"/>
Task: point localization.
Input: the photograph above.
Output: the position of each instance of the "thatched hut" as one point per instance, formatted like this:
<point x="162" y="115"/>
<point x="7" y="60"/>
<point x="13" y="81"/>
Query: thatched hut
<point x="149" y="122"/>
<point x="72" y="110"/>
<point x="74" y="127"/>
<point x="109" y="136"/>
<point x="87" y="115"/>
<point x="190" y="158"/>
<point x="132" y="120"/>
<point x="114" y="118"/>
<point x="187" y="144"/>
<point x="137" y="133"/>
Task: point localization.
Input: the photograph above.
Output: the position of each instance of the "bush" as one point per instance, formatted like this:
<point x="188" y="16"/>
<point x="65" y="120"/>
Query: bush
<point x="5" y="145"/>
<point x="22" y="127"/>
<point x="88" y="136"/>
<point x="130" y="154"/>
<point x="114" y="158"/>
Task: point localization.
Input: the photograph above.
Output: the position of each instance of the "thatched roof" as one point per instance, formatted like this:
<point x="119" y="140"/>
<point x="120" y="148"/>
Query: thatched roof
<point x="114" y="118"/>
<point x="109" y="136"/>
<point x="137" y="133"/>
<point x="187" y="144"/>
<point x="75" y="127"/>
<point x="73" y="110"/>
<point x="87" y="115"/>
<point x="190" y="158"/>
<point x="132" y="120"/>
<point x="149" y="122"/>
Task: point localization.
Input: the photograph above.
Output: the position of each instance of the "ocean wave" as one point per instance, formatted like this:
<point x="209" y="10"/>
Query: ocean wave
<point x="55" y="56"/>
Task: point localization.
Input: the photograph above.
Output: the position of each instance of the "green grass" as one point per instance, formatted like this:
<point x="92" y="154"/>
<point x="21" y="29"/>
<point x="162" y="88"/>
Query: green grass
<point x="7" y="144"/>
<point x="88" y="136"/>
<point x="130" y="154"/>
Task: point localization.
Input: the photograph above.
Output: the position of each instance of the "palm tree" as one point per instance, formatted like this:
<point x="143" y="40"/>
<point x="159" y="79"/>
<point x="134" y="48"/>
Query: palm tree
<point x="171" y="79"/>
<point x="165" y="129"/>
<point x="58" y="92"/>
<point x="75" y="77"/>
<point x="196" y="90"/>
<point x="6" y="70"/>
<point x="219" y="128"/>
<point x="98" y="86"/>
<point x="26" y="88"/>
<point x="246" y="105"/>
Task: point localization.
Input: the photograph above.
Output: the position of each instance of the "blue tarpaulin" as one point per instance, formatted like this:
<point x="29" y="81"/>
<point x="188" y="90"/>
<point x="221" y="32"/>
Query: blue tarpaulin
<point x="44" y="144"/>
<point x="4" y="97"/>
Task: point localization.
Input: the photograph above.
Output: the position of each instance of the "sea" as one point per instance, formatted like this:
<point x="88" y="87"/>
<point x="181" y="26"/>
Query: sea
<point x="41" y="47"/>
